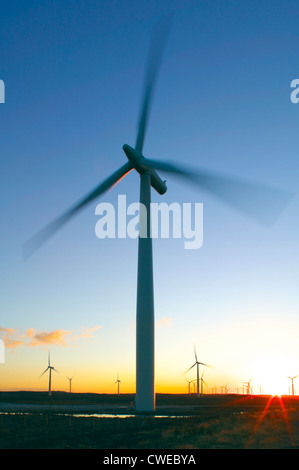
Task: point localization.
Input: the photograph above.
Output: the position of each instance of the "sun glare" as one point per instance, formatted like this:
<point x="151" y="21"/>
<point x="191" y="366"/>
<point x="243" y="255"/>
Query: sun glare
<point x="272" y="378"/>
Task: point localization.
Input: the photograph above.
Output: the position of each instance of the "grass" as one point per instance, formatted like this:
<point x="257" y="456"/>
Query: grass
<point x="224" y="422"/>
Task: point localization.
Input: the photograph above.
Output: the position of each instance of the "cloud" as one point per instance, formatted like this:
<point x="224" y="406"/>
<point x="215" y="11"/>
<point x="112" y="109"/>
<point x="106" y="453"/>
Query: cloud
<point x="166" y="321"/>
<point x="11" y="337"/>
<point x="14" y="337"/>
<point x="89" y="332"/>
<point x="47" y="337"/>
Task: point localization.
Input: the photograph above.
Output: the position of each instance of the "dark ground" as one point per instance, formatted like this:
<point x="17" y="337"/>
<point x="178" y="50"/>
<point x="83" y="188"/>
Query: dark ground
<point x="188" y="422"/>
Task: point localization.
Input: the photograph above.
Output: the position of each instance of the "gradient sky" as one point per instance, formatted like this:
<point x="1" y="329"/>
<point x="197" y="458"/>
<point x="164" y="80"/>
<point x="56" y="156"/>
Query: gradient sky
<point x="73" y="74"/>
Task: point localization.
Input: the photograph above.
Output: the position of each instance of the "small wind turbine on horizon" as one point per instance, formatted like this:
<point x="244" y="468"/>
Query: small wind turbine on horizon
<point x="292" y="379"/>
<point x="202" y="382"/>
<point x="70" y="379"/>
<point x="224" y="387"/>
<point x="189" y="383"/>
<point x="262" y="203"/>
<point x="49" y="368"/>
<point x="117" y="382"/>
<point x="197" y="364"/>
<point x="248" y="386"/>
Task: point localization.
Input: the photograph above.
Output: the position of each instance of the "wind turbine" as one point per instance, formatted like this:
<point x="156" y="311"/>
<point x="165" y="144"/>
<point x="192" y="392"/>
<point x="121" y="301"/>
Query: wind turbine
<point x="248" y="386"/>
<point x="197" y="364"/>
<point x="49" y="368"/>
<point x="292" y="379"/>
<point x="201" y="383"/>
<point x="261" y="203"/>
<point x="117" y="382"/>
<point x="70" y="379"/>
<point x="189" y="382"/>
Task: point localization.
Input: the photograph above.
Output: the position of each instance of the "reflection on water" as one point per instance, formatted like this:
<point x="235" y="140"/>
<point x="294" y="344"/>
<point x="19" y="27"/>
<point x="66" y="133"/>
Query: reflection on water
<point x="95" y="415"/>
<point x="123" y="416"/>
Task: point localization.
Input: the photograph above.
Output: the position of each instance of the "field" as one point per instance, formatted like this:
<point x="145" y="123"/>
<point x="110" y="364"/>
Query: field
<point x="32" y="420"/>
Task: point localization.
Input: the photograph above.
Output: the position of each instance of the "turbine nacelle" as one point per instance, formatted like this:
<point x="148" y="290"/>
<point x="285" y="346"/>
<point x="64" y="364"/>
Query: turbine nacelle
<point x="139" y="162"/>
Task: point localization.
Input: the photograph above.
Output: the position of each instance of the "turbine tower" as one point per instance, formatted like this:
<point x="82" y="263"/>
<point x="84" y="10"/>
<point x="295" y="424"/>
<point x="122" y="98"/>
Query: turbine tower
<point x="292" y="379"/>
<point x="197" y="364"/>
<point x="49" y="368"/>
<point x="263" y="204"/>
<point x="117" y="382"/>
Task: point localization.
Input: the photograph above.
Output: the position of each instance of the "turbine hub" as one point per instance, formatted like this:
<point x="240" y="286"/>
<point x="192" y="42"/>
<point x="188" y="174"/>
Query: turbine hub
<point x="140" y="164"/>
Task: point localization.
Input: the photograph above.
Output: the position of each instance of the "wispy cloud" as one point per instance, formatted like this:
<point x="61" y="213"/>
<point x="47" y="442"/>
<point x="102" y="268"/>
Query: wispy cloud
<point x="166" y="321"/>
<point x="11" y="337"/>
<point x="14" y="337"/>
<point x="37" y="338"/>
<point x="86" y="332"/>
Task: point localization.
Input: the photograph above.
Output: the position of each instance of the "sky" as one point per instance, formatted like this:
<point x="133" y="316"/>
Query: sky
<point x="73" y="74"/>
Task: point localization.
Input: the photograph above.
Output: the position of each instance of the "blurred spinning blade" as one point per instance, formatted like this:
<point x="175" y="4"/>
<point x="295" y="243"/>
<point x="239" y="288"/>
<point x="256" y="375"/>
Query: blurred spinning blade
<point x="262" y="203"/>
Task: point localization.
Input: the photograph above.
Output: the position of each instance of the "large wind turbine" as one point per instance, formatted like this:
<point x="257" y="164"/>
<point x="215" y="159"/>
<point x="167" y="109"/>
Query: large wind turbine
<point x="49" y="368"/>
<point x="263" y="204"/>
<point x="292" y="379"/>
<point x="197" y="364"/>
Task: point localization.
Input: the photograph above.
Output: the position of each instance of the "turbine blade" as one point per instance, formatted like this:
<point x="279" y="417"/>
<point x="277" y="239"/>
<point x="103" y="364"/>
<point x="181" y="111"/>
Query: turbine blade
<point x="207" y="365"/>
<point x="195" y="353"/>
<point x="260" y="202"/>
<point x="157" y="45"/>
<point x="190" y="368"/>
<point x="44" y="372"/>
<point x="43" y="235"/>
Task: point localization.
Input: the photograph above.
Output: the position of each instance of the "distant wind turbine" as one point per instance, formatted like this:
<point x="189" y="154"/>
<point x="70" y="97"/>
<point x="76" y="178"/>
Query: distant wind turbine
<point x="201" y="383"/>
<point x="261" y="203"/>
<point x="248" y="386"/>
<point x="117" y="382"/>
<point x="292" y="379"/>
<point x="197" y="364"/>
<point x="189" y="382"/>
<point x="70" y="379"/>
<point x="49" y="368"/>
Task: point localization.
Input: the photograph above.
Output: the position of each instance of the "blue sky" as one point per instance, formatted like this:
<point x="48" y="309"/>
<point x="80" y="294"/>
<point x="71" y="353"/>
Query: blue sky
<point x="73" y="75"/>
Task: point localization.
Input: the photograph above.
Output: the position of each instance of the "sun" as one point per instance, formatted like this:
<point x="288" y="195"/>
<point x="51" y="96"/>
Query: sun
<point x="271" y="377"/>
<point x="273" y="387"/>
